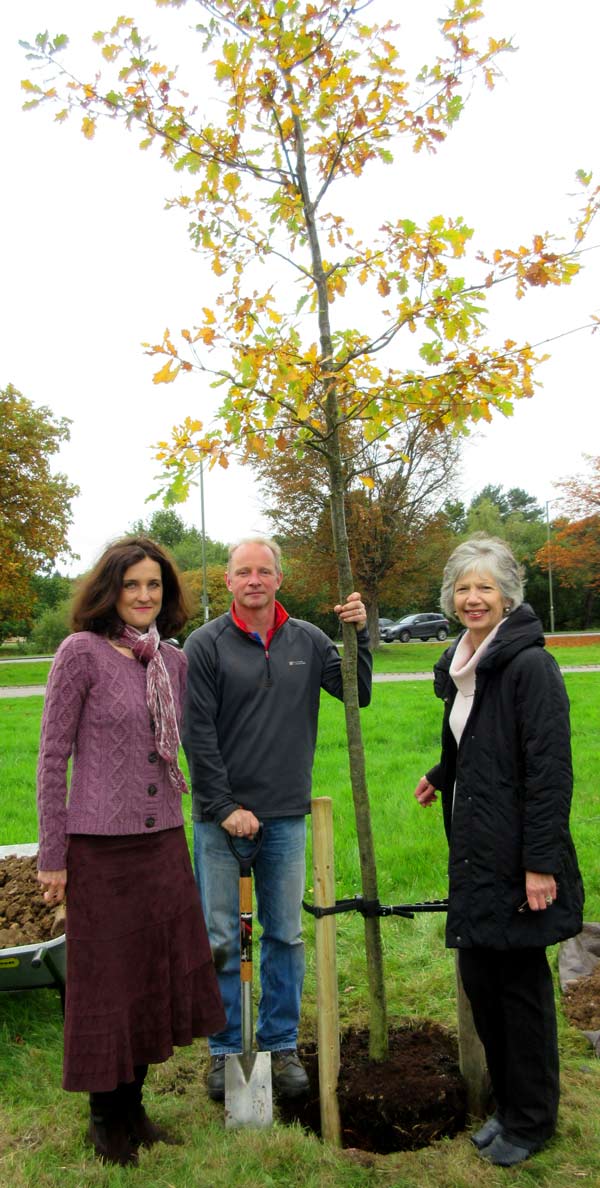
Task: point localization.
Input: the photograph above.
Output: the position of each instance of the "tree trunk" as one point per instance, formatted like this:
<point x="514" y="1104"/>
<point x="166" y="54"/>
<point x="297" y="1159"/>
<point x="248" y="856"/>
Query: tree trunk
<point x="373" y="625"/>
<point x="378" y="1037"/>
<point x="588" y="606"/>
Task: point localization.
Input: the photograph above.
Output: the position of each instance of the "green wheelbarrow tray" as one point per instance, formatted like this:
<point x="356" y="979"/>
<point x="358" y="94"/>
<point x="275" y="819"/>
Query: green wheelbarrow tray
<point x="37" y="966"/>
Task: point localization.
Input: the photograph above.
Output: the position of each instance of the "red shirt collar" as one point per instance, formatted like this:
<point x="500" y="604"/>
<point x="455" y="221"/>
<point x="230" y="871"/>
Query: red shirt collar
<point x="279" y="618"/>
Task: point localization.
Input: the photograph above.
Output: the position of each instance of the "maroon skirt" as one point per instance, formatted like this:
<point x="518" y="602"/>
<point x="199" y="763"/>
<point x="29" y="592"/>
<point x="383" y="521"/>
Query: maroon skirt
<point x="140" y="976"/>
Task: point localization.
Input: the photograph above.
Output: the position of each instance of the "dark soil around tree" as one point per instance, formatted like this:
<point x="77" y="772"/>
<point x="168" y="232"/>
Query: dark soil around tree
<point x="581" y="1002"/>
<point x="24" y="916"/>
<point x="416" y="1096"/>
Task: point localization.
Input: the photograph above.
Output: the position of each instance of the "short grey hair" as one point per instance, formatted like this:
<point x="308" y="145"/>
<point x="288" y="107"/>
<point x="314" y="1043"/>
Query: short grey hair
<point x="267" y="541"/>
<point x="483" y="554"/>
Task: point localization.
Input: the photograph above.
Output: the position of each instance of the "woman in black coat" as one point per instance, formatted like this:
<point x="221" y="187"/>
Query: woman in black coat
<point x="506" y="782"/>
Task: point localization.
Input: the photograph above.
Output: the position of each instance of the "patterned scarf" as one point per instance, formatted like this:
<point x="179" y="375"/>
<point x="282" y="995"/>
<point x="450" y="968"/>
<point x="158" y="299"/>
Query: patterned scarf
<point x="159" y="695"/>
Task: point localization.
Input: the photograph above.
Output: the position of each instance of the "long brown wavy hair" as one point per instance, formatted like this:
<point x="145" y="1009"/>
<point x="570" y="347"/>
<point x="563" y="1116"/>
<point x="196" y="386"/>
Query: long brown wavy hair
<point x="94" y="605"/>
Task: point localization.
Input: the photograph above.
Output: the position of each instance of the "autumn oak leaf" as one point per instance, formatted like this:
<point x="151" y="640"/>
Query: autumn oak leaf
<point x="166" y="375"/>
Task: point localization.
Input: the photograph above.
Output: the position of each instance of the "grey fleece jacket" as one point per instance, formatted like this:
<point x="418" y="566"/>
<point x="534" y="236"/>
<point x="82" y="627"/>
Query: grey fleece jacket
<point x="250" y="720"/>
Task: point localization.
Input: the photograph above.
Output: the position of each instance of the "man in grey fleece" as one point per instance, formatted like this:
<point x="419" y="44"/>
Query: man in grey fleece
<point x="250" y="728"/>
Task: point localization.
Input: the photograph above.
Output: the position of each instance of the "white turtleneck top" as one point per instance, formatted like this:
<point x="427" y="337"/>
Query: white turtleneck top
<point x="463" y="671"/>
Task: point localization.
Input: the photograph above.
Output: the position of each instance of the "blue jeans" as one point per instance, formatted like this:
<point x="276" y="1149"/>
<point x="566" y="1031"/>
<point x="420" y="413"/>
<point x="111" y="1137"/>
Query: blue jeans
<point x="279" y="876"/>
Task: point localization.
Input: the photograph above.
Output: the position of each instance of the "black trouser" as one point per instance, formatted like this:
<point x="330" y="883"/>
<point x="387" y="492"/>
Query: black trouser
<point x="512" y="999"/>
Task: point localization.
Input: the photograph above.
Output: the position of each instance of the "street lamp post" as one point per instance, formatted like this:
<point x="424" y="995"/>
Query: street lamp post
<point x="548" y="502"/>
<point x="204" y="579"/>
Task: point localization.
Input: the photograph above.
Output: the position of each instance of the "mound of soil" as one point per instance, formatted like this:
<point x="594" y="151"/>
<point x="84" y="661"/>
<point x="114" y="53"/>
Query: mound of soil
<point x="24" y="916"/>
<point x="416" y="1096"/>
<point x="581" y="1002"/>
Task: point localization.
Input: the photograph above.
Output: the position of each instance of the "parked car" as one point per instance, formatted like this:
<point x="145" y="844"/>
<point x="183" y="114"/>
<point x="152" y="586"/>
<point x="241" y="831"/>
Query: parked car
<point x="383" y="623"/>
<point x="417" y="627"/>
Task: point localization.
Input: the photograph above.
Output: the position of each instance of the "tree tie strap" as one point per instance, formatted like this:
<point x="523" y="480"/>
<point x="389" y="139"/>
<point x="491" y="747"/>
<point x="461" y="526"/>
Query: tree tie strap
<point x="369" y="908"/>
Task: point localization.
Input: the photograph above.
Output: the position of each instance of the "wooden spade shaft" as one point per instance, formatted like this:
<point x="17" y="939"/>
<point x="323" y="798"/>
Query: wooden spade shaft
<point x="246" y="960"/>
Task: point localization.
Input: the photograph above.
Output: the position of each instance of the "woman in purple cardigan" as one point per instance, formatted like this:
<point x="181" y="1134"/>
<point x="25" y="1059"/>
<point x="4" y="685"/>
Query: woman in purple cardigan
<point x="140" y="975"/>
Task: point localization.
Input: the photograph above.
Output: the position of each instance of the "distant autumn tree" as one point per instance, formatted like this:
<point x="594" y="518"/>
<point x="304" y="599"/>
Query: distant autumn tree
<point x="580" y="494"/>
<point x="35" y="503"/>
<point x="409" y="480"/>
<point x="574" y="548"/>
<point x="219" y="598"/>
<point x="318" y="325"/>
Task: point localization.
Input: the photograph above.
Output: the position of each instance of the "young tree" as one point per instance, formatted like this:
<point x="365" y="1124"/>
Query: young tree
<point x="35" y="503"/>
<point x="313" y="98"/>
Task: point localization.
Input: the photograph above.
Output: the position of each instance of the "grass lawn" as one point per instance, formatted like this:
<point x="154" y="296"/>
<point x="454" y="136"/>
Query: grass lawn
<point x="396" y="657"/>
<point x="34" y="672"/>
<point x="421" y="657"/>
<point x="41" y="1128"/>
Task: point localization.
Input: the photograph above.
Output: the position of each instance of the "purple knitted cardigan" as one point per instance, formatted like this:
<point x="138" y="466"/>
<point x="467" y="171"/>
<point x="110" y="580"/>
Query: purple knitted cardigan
<point x="95" y="710"/>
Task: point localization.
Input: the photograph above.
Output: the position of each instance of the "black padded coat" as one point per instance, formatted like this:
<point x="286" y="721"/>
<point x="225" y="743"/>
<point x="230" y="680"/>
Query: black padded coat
<point x="510" y="810"/>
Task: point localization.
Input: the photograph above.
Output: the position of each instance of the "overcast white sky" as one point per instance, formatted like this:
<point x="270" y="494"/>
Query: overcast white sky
<point x="92" y="265"/>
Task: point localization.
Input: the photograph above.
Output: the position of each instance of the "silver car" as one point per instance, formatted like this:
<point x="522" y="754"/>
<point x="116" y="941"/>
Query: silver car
<point x="429" y="626"/>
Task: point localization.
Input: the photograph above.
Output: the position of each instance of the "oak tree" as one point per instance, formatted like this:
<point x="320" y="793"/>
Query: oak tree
<point x="318" y="324"/>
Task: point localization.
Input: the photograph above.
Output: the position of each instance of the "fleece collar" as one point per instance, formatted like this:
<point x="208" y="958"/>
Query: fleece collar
<point x="279" y="619"/>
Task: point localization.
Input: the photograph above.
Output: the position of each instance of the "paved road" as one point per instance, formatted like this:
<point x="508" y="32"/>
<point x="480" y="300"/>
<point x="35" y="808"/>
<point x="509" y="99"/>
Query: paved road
<point x="39" y="690"/>
<point x="24" y="659"/>
<point x="427" y="676"/>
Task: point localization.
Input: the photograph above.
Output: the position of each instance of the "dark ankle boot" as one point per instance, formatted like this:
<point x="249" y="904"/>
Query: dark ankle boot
<point x="144" y="1132"/>
<point x="108" y="1130"/>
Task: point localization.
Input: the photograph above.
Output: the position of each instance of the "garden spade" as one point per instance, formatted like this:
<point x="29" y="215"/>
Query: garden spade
<point x="248" y="1090"/>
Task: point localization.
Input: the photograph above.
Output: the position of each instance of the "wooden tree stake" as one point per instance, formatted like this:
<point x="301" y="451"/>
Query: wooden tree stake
<point x="471" y="1054"/>
<point x="328" y="1026"/>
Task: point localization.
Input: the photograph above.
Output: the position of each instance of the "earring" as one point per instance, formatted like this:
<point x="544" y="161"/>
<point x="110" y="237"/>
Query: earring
<point x="506" y="610"/>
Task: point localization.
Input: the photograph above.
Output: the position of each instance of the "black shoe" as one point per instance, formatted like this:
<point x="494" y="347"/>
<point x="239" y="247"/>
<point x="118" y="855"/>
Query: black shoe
<point x="289" y="1077"/>
<point x="215" y="1081"/>
<point x="503" y="1153"/>
<point x="484" y="1136"/>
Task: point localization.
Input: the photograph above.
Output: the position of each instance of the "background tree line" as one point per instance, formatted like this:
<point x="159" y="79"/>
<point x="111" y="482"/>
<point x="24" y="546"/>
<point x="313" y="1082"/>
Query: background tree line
<point x="401" y="531"/>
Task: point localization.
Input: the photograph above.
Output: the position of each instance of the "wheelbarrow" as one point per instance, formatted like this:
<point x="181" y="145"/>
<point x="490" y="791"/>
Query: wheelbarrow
<point x="248" y="1088"/>
<point x="34" y="966"/>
